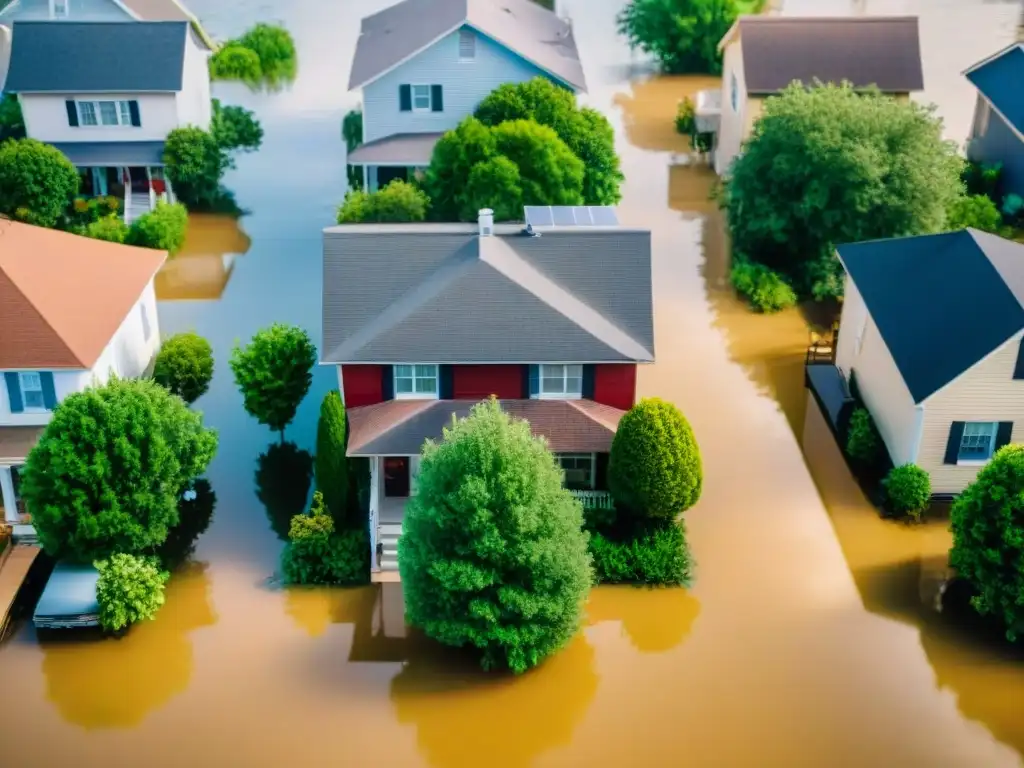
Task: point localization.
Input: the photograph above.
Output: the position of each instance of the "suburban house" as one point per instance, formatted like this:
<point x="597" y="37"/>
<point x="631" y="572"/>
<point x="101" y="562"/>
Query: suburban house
<point x="945" y="388"/>
<point x="98" y="10"/>
<point x="997" y="134"/>
<point x="82" y="90"/>
<point x="61" y="335"/>
<point x="762" y="55"/>
<point x="425" y="320"/>
<point x="424" y="65"/>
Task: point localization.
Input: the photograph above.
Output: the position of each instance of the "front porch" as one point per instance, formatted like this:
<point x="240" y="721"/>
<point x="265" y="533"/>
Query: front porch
<point x="402" y="156"/>
<point x="15" y="444"/>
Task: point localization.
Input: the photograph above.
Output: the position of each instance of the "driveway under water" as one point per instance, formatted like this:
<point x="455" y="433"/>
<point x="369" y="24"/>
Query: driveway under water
<point x="808" y="639"/>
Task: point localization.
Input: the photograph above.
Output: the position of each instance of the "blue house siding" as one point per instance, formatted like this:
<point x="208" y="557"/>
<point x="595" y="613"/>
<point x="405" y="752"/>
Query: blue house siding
<point x="999" y="144"/>
<point x="78" y="10"/>
<point x="465" y="85"/>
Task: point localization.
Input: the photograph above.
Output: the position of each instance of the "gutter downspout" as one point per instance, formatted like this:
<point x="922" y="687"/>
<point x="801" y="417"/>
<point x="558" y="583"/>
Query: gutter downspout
<point x="918" y="431"/>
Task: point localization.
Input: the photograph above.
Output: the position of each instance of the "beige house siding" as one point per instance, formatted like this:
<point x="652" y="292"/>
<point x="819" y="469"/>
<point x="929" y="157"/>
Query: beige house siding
<point x="852" y="324"/>
<point x="986" y="392"/>
<point x="731" y="131"/>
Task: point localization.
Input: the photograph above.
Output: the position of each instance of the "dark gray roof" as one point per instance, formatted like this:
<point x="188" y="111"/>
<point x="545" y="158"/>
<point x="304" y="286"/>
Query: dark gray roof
<point x="884" y="51"/>
<point x="97" y="56"/>
<point x="69" y="598"/>
<point x="941" y="302"/>
<point x="1001" y="80"/>
<point x="89" y="153"/>
<point x="399" y="32"/>
<point x="440" y="293"/>
<point x="406" y="148"/>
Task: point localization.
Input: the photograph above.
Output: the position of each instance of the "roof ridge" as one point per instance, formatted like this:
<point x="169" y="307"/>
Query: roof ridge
<point x="589" y="414"/>
<point x="39" y="313"/>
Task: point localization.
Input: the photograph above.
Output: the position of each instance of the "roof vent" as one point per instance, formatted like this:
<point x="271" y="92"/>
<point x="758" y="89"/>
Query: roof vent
<point x="486" y="220"/>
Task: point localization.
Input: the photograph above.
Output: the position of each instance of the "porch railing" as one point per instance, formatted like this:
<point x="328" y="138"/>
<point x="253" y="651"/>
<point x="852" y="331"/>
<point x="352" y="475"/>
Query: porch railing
<point x="595" y="499"/>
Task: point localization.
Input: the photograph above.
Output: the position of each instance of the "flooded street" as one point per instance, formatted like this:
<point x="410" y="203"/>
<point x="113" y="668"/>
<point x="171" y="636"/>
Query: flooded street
<point x="809" y="638"/>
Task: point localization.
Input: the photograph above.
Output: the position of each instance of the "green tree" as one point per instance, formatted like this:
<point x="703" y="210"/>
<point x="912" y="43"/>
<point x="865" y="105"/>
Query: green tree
<point x="397" y="202"/>
<point x="655" y="468"/>
<point x="273" y="373"/>
<point x="109" y="228"/>
<point x="108" y="470"/>
<point x="585" y="131"/>
<point x="318" y="554"/>
<point x="352" y="129"/>
<point x="331" y="464"/>
<point x="194" y="163"/>
<point x="12" y="123"/>
<point x="235" y="128"/>
<point x="683" y="35"/>
<point x="455" y="154"/>
<point x="235" y="62"/>
<point x="37" y="183"/>
<point x="829" y="165"/>
<point x="274" y="47"/>
<point x="975" y="211"/>
<point x="988" y="538"/>
<point x="129" y="590"/>
<point x="162" y="228"/>
<point x="492" y="554"/>
<point x="908" y="489"/>
<point x="184" y="365"/>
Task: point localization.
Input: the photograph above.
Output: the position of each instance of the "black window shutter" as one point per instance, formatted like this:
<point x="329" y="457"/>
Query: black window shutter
<point x="49" y="393"/>
<point x="601" y="472"/>
<point x="956" y="433"/>
<point x="534" y="380"/>
<point x="133" y="110"/>
<point x="436" y="98"/>
<point x="588" y="382"/>
<point x="525" y="392"/>
<point x="387" y="384"/>
<point x="14" y="392"/>
<point x="446" y="384"/>
<point x="1003" y="434"/>
<point x="405" y="98"/>
<point x="72" y="113"/>
<point x="1018" y="371"/>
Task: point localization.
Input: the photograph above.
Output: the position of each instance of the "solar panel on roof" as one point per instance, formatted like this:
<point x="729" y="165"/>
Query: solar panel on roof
<point x="563" y="216"/>
<point x="604" y="216"/>
<point x="571" y="216"/>
<point x="582" y="215"/>
<point x="539" y="215"/>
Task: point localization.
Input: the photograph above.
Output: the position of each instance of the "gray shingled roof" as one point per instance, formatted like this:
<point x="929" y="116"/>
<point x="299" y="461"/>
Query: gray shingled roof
<point x="395" y="34"/>
<point x="884" y="51"/>
<point x="97" y="56"/>
<point x="88" y="153"/>
<point x="442" y="294"/>
<point x="405" y="148"/>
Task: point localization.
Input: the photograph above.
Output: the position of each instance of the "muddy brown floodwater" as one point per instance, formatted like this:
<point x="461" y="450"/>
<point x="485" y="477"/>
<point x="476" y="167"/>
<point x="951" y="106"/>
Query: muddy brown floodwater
<point x="807" y="640"/>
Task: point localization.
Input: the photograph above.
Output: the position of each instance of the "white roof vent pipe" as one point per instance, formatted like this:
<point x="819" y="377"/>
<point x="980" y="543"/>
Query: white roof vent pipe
<point x="486" y="221"/>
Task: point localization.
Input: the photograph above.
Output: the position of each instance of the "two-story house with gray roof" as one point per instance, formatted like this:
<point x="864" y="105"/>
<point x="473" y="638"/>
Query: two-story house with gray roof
<point x="424" y="65"/>
<point x="997" y="133"/>
<point x="423" y="321"/>
<point x="83" y="90"/>
<point x="97" y="10"/>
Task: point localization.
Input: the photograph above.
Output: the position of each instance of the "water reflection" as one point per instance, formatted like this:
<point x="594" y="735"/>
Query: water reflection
<point x="202" y="268"/>
<point x="655" y="620"/>
<point x="106" y="683"/>
<point x="195" y="516"/>
<point x="284" y="473"/>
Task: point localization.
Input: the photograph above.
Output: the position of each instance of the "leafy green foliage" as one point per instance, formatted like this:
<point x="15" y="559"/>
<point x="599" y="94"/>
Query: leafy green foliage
<point x="863" y="443"/>
<point x="352" y="129"/>
<point x="235" y="128"/>
<point x="829" y="165"/>
<point x="585" y="131"/>
<point x="1013" y="208"/>
<point x="194" y="163"/>
<point x="129" y="590"/>
<point x="86" y="210"/>
<point x="235" y="62"/>
<point x="492" y="554"/>
<point x="548" y="173"/>
<point x="162" y="228"/>
<point x="988" y="538"/>
<point x="317" y="554"/>
<point x="683" y="35"/>
<point x="654" y="470"/>
<point x="109" y="228"/>
<point x="398" y="201"/>
<point x="107" y="472"/>
<point x="273" y="373"/>
<point x="908" y="489"/>
<point x="274" y="47"/>
<point x="766" y="290"/>
<point x="982" y="178"/>
<point x="686" y="124"/>
<point x="37" y="182"/>
<point x="656" y="555"/>
<point x="184" y="365"/>
<point x="976" y="211"/>
<point x="12" y="123"/>
<point x="331" y="464"/>
<point x="283" y="475"/>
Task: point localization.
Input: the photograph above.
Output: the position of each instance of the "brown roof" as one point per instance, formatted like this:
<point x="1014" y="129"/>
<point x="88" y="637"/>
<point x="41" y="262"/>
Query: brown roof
<point x="62" y="297"/>
<point x="399" y="427"/>
<point x="16" y="442"/>
<point x="884" y="51"/>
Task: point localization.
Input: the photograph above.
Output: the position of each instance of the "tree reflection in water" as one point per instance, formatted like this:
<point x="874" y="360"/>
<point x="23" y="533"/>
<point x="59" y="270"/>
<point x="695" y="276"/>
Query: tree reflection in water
<point x="654" y="619"/>
<point x="283" y="476"/>
<point x="195" y="516"/>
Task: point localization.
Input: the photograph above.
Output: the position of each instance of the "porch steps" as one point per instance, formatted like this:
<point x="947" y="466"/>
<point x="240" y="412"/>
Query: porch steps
<point x="388" y="535"/>
<point x="138" y="206"/>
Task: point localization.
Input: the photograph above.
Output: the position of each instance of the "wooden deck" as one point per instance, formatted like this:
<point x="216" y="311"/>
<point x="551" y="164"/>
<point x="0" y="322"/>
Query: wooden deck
<point x="14" y="567"/>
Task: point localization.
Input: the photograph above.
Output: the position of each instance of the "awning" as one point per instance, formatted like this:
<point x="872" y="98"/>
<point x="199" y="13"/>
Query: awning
<point x="16" y="442"/>
<point x="411" y="149"/>
<point x="113" y="153"/>
<point x="399" y="427"/>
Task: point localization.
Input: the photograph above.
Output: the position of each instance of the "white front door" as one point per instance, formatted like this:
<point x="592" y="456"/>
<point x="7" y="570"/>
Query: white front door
<point x="99" y="181"/>
<point x="414" y="473"/>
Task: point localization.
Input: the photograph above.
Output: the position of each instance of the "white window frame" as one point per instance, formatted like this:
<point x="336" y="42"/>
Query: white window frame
<point x="122" y="110"/>
<point x="430" y="97"/>
<point x="565" y="394"/>
<point x="147" y="329"/>
<point x="590" y="457"/>
<point x="417" y="376"/>
<point x="24" y="376"/>
<point x="467" y="42"/>
<point x="972" y="431"/>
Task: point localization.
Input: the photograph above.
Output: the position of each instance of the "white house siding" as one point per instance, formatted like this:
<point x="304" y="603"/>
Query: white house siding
<point x="465" y="84"/>
<point x="46" y="118"/>
<point x="851" y="326"/>
<point x="194" y="98"/>
<point x="78" y="10"/>
<point x="730" y="130"/>
<point x="986" y="392"/>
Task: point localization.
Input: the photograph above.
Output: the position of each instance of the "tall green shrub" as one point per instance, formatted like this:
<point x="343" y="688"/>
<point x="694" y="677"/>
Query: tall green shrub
<point x="683" y="35"/>
<point x="194" y="163"/>
<point x="331" y="465"/>
<point x="37" y="182"/>
<point x="129" y="590"/>
<point x="318" y="554"/>
<point x="908" y="489"/>
<point x="162" y="228"/>
<point x="863" y="443"/>
<point x="184" y="365"/>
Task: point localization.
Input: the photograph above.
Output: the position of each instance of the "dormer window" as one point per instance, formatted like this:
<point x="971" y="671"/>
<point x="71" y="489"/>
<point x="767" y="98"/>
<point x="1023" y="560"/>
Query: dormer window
<point x="416" y="382"/>
<point x="467" y="45"/>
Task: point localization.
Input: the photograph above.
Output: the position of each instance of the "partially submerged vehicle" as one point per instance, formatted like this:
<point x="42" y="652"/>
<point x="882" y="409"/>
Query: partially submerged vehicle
<point x="69" y="599"/>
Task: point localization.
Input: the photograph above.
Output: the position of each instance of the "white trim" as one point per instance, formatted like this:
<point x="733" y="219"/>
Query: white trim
<point x="991" y="445"/>
<point x="915" y="450"/>
<point x="988" y="60"/>
<point x="341" y="384"/>
<point x="414" y="395"/>
<point x="727" y="38"/>
<point x="995" y="109"/>
<point x="118" y="103"/>
<point x="565" y="394"/>
<point x="965" y="371"/>
<point x="430" y="97"/>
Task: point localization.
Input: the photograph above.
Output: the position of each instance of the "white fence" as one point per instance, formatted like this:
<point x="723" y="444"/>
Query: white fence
<point x="597" y="499"/>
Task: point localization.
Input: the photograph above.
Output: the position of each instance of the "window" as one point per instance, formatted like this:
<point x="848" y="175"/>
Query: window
<point x="734" y="93"/>
<point x="978" y="441"/>
<point x="104" y="113"/>
<point x="578" y="469"/>
<point x="415" y="381"/>
<point x="60" y="8"/>
<point x="467" y="45"/>
<point x="561" y="381"/>
<point x="421" y="98"/>
<point x="32" y="391"/>
<point x="146" y="330"/>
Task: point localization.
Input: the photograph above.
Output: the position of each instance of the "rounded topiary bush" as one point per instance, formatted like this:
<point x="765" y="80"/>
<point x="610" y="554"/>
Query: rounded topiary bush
<point x="863" y="443"/>
<point x="129" y="590"/>
<point x="184" y="366"/>
<point x="655" y="467"/>
<point x="908" y="489"/>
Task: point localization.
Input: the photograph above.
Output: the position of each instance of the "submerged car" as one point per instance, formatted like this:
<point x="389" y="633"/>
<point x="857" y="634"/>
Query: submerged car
<point x="69" y="599"/>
